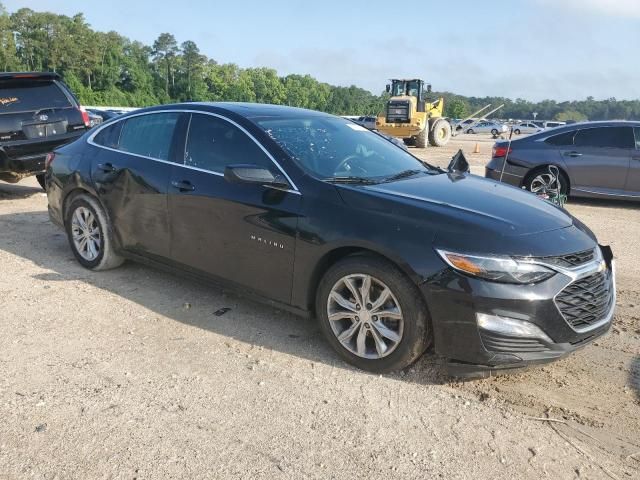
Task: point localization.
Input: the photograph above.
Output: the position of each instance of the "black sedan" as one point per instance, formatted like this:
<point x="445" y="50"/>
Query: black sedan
<point x="325" y="218"/>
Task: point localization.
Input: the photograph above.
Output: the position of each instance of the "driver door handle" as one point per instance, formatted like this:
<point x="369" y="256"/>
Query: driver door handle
<point x="572" y="154"/>
<point x="183" y="185"/>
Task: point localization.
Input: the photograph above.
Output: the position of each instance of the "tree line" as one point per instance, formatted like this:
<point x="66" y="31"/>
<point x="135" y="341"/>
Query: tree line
<point x="110" y="69"/>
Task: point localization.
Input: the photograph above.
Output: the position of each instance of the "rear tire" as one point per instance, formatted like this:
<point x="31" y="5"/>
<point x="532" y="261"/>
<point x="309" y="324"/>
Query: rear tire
<point x="535" y="177"/>
<point x="405" y="337"/>
<point x="494" y="132"/>
<point x="40" y="179"/>
<point x="440" y="133"/>
<point x="471" y="132"/>
<point x="90" y="235"/>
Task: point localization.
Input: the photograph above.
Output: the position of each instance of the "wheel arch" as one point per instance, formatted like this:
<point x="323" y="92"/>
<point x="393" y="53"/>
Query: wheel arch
<point x="544" y="167"/>
<point x="338" y="253"/>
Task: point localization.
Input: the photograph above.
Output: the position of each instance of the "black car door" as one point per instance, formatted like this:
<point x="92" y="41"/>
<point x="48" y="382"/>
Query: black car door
<point x="131" y="173"/>
<point x="241" y="233"/>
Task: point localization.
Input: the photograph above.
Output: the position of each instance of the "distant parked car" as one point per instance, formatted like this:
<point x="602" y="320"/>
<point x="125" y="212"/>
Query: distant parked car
<point x="595" y="159"/>
<point x="104" y="114"/>
<point x="367" y="121"/>
<point x="526" y="127"/>
<point x="462" y="125"/>
<point x="38" y="113"/>
<point x="94" y="119"/>
<point x="494" y="128"/>
<point x="554" y="124"/>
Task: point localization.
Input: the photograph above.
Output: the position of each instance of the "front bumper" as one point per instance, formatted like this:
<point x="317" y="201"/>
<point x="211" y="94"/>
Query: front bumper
<point x="399" y="130"/>
<point x="455" y="301"/>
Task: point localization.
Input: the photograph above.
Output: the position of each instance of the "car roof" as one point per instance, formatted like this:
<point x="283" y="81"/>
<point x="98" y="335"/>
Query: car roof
<point x="29" y="75"/>
<point x="244" y="109"/>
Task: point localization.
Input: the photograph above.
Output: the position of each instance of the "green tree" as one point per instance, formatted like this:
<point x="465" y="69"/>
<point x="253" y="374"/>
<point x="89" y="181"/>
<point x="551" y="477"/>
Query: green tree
<point x="164" y="52"/>
<point x="568" y="115"/>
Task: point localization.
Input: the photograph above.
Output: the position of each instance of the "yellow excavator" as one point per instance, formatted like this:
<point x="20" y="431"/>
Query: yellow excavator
<point x="412" y="116"/>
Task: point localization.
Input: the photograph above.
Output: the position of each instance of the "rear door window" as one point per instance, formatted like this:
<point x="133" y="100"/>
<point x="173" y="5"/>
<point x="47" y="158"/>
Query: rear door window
<point x="605" y="137"/>
<point x="637" y="131"/>
<point x="214" y="143"/>
<point x="149" y="135"/>
<point x="27" y="96"/>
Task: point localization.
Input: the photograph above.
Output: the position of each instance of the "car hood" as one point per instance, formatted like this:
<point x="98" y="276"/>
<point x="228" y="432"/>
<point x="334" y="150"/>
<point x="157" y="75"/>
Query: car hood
<point x="470" y="204"/>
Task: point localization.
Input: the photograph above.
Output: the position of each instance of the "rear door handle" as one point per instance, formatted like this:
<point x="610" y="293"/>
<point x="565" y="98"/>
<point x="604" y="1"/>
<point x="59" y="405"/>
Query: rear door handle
<point x="572" y="154"/>
<point x="106" y="167"/>
<point x="183" y="186"/>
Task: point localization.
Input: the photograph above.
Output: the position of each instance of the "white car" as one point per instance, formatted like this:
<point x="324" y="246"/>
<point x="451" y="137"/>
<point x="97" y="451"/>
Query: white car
<point x="526" y="127"/>
<point x="494" y="128"/>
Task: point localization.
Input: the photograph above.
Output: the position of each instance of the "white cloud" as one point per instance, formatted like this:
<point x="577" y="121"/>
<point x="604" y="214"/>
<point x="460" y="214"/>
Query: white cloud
<point x="619" y="8"/>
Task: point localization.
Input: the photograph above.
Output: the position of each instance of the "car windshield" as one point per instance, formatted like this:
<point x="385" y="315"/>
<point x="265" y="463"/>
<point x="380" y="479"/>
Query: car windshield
<point x="333" y="148"/>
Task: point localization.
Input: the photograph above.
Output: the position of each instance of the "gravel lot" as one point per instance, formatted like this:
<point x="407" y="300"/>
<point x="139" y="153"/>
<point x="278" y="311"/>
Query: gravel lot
<point x="130" y="374"/>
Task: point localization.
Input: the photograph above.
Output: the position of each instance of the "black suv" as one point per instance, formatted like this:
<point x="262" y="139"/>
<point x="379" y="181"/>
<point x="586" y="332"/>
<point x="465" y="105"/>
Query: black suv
<point x="38" y="113"/>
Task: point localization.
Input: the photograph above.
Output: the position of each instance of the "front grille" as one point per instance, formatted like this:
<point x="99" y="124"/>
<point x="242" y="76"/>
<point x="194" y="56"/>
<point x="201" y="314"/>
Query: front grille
<point x="495" y="342"/>
<point x="572" y="259"/>
<point x="586" y="301"/>
<point x="398" y="112"/>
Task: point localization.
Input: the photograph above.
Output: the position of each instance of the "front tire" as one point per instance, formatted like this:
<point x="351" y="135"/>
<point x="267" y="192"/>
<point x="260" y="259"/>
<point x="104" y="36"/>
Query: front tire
<point x="440" y="133"/>
<point x="90" y="235"/>
<point x="421" y="138"/>
<point x="494" y="132"/>
<point x="516" y="131"/>
<point x="372" y="314"/>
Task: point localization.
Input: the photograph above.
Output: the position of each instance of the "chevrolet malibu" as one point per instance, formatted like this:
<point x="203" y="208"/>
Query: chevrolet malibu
<point x="322" y="217"/>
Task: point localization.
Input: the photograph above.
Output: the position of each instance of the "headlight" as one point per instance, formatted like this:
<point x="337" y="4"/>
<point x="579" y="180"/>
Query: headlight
<point x="497" y="269"/>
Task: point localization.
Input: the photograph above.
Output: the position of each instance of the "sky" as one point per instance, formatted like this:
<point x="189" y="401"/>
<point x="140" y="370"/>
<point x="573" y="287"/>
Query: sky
<point x="531" y="49"/>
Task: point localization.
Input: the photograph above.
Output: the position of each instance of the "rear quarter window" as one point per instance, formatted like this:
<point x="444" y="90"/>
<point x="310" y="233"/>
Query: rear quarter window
<point x="25" y="96"/>
<point x="562" y="139"/>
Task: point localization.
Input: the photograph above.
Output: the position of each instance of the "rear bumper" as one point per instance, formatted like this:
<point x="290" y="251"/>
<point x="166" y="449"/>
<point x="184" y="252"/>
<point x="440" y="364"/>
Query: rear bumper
<point x="475" y="348"/>
<point x="509" y="176"/>
<point x="26" y="157"/>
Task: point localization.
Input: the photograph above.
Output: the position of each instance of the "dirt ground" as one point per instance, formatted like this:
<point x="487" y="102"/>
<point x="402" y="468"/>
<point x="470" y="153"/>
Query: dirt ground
<point x="130" y="374"/>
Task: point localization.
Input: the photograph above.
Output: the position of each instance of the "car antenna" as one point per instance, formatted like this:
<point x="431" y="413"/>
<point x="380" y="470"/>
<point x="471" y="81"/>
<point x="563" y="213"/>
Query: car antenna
<point x="506" y="155"/>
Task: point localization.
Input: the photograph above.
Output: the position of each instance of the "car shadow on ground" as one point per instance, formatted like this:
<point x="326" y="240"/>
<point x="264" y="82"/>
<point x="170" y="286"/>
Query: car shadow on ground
<point x="17" y="190"/>
<point x="184" y="300"/>
<point x="634" y="377"/>
<point x="604" y="203"/>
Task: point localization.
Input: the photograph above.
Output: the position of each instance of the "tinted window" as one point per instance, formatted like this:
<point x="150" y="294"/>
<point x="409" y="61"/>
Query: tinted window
<point x="31" y="95"/>
<point x="612" y="137"/>
<point x="214" y="143"/>
<point x="149" y="135"/>
<point x="109" y="136"/>
<point x="562" y="139"/>
<point x="637" y="130"/>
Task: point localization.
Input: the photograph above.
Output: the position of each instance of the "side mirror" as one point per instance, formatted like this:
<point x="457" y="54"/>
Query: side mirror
<point x="388" y="88"/>
<point x="253" y="174"/>
<point x="458" y="163"/>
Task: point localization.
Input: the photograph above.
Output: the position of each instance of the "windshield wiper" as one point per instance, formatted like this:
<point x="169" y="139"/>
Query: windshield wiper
<point x="352" y="180"/>
<point x="403" y="174"/>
